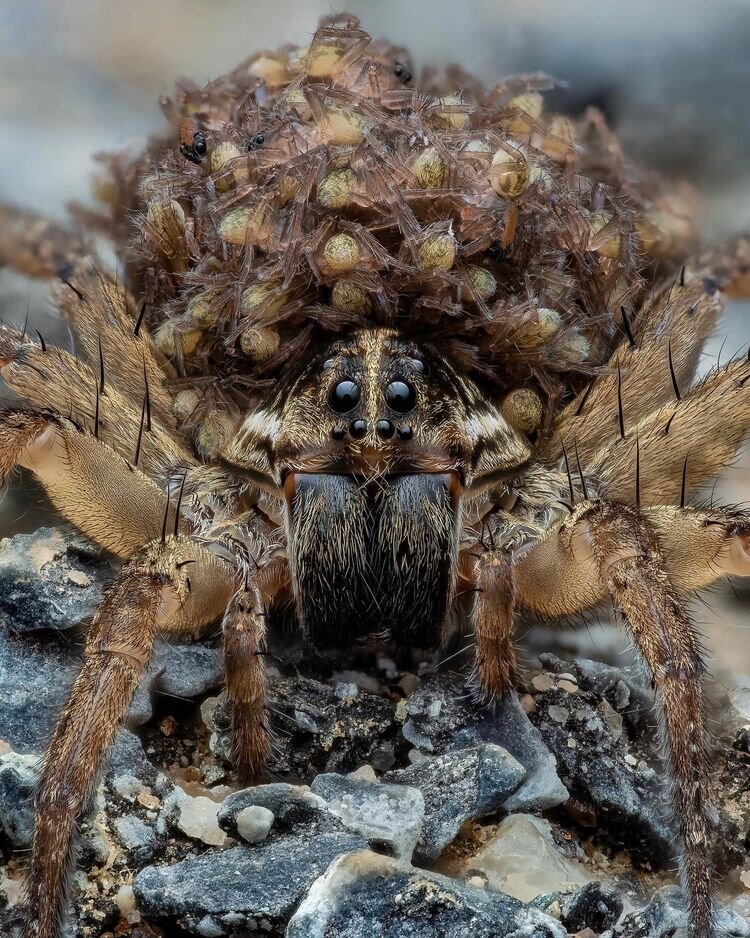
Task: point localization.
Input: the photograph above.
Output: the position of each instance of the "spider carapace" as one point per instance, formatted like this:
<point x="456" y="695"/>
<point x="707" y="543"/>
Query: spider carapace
<point x="410" y="362"/>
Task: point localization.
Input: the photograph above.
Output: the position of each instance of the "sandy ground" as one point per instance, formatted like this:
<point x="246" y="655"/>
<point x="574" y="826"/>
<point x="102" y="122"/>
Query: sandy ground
<point x="83" y="76"/>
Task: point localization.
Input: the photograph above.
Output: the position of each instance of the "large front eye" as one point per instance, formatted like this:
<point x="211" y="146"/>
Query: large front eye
<point x="344" y="396"/>
<point x="400" y="397"/>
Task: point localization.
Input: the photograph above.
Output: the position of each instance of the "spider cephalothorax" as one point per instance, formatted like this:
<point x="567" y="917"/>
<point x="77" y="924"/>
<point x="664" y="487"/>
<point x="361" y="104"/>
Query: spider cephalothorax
<point x="402" y="360"/>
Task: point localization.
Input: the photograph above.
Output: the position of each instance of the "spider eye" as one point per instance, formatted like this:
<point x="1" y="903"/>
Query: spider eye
<point x="257" y="141"/>
<point x="402" y="72"/>
<point x="344" y="396"/>
<point x="400" y="397"/>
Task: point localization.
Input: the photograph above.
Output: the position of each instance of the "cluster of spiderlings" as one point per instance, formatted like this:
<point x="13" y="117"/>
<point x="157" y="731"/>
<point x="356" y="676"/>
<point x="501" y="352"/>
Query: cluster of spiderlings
<point x="314" y="189"/>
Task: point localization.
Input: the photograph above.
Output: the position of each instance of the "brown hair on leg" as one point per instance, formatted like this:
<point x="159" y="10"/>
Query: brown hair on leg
<point x="244" y="632"/>
<point x="492" y="618"/>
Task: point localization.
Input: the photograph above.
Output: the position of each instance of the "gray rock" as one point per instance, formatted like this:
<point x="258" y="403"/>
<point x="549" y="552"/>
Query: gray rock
<point x="18" y="775"/>
<point x="626" y="797"/>
<point x="594" y="906"/>
<point x="441" y="718"/>
<point x="459" y="786"/>
<point x="49" y="580"/>
<point x="137" y="837"/>
<point x="259" y="886"/>
<point x="363" y="893"/>
<point x="36" y="674"/>
<point x="293" y="807"/>
<point x="666" y="912"/>
<point x="254" y="824"/>
<point x="318" y="728"/>
<point x="381" y="813"/>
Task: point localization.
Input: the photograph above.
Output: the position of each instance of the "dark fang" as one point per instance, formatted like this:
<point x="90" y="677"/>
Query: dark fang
<point x="628" y="329"/>
<point x="683" y="489"/>
<point x="580" y="471"/>
<point x="101" y="367"/>
<point x="140" y="433"/>
<point x="96" y="414"/>
<point x="672" y="372"/>
<point x="147" y="398"/>
<point x="179" y="505"/>
<point x="570" y="477"/>
<point x="141" y="315"/>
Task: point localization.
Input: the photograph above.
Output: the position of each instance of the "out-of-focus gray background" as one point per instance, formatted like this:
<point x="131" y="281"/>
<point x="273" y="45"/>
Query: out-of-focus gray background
<point x="674" y="76"/>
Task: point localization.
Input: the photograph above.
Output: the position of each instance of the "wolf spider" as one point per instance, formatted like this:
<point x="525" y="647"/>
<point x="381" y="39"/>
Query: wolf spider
<point x="379" y="487"/>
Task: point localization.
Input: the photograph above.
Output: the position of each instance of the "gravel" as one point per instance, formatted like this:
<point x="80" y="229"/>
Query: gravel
<point x="398" y="804"/>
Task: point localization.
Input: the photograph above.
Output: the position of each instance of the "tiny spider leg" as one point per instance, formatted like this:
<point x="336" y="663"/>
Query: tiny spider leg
<point x="151" y="594"/>
<point x="608" y="548"/>
<point x="244" y="634"/>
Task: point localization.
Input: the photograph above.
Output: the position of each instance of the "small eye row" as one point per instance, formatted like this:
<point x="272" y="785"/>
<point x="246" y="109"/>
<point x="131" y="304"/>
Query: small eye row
<point x="400" y="396"/>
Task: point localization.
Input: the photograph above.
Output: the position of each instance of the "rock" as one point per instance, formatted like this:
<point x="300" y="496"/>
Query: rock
<point x="186" y="670"/>
<point x="381" y="813"/>
<point x="258" y="887"/>
<point x="49" y="580"/>
<point x="591" y="748"/>
<point x="522" y="860"/>
<point x="440" y="718"/>
<point x="666" y="913"/>
<point x="318" y="728"/>
<point x="18" y="776"/>
<point x="292" y="806"/>
<point x="254" y="823"/>
<point x="36" y="674"/>
<point x="594" y="906"/>
<point x="364" y="893"/>
<point x="197" y="818"/>
<point x="137" y="837"/>
<point x="459" y="786"/>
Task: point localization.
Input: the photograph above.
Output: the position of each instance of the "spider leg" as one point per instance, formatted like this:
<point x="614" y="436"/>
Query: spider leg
<point x="244" y="632"/>
<point x="95" y="303"/>
<point x="51" y="378"/>
<point x="705" y="427"/>
<point x="89" y="484"/>
<point x="611" y="548"/>
<point x="667" y="338"/>
<point x="492" y="621"/>
<point x="151" y="593"/>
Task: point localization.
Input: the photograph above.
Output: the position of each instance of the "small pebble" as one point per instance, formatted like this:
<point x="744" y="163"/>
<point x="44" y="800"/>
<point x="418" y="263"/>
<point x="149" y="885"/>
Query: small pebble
<point x="254" y="823"/>
<point x="559" y="714"/>
<point x="198" y="820"/>
<point x="544" y="681"/>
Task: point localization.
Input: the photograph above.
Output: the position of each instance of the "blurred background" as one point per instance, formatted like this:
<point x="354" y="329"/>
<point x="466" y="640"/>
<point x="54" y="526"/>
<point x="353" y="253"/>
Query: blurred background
<point x="674" y="78"/>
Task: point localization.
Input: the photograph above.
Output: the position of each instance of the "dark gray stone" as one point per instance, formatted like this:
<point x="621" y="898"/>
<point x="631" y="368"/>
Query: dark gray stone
<point x="594" y="906"/>
<point x="383" y="814"/>
<point x="49" y="580"/>
<point x="137" y="837"/>
<point x="36" y="674"/>
<point x="318" y="728"/>
<point x="457" y="787"/>
<point x="628" y="800"/>
<point x="364" y="893"/>
<point x="18" y="775"/>
<point x="667" y="912"/>
<point x="441" y="718"/>
<point x="293" y="807"/>
<point x="258" y="886"/>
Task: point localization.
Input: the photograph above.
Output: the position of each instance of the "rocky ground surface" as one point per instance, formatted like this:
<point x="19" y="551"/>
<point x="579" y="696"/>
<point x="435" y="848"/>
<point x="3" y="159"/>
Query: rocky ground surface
<point x="395" y="806"/>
